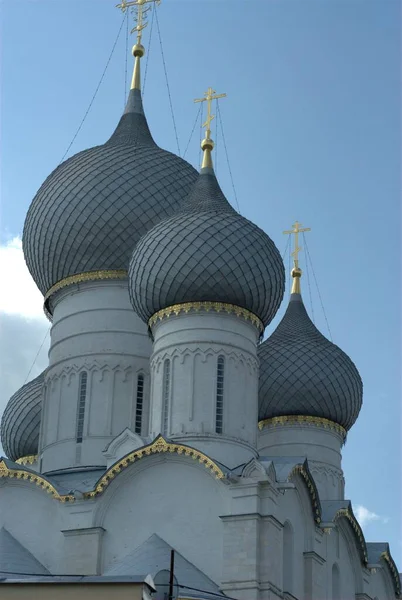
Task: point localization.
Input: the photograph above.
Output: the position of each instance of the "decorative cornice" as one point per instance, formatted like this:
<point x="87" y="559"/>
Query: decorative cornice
<point x="27" y="460"/>
<point x="394" y="571"/>
<point x="196" y="307"/>
<point x="312" y="490"/>
<point x="159" y="445"/>
<point x="33" y="478"/>
<point x="289" y="420"/>
<point x="348" y="514"/>
<point x="81" y="278"/>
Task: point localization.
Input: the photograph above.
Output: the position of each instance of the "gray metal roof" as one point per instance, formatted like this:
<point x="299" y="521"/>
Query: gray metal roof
<point x="15" y="559"/>
<point x="154" y="555"/>
<point x="19" y="429"/>
<point x="206" y="252"/>
<point x="94" y="207"/>
<point x="302" y="373"/>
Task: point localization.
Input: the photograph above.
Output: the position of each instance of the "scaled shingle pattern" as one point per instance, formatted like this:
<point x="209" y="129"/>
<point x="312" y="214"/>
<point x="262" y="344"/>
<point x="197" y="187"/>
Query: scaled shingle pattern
<point x="94" y="207"/>
<point x="302" y="373"/>
<point x="206" y="252"/>
<point x="20" y="423"/>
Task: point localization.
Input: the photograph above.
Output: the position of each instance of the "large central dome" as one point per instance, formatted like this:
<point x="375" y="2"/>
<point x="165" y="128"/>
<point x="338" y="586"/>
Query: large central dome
<point x="94" y="207"/>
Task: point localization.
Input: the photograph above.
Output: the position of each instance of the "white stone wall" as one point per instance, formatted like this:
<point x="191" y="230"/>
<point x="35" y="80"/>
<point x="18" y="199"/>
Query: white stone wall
<point x="192" y="343"/>
<point x="95" y="330"/>
<point x="322" y="447"/>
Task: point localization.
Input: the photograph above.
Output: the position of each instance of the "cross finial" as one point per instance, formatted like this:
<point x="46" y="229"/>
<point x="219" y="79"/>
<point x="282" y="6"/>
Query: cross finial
<point x="207" y="144"/>
<point x="296" y="271"/>
<point x="140" y="9"/>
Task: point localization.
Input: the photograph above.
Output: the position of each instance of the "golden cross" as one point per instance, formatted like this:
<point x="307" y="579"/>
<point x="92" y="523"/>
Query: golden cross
<point x="210" y="95"/>
<point x="296" y="230"/>
<point x="141" y="13"/>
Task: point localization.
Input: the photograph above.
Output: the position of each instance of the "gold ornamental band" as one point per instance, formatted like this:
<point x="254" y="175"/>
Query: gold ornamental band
<point x="217" y="307"/>
<point x="302" y="420"/>
<point x="27" y="460"/>
<point x="81" y="278"/>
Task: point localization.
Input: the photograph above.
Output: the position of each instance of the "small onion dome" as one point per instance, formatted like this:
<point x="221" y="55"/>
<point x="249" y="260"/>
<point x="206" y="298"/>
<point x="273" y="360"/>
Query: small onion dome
<point x="20" y="423"/>
<point x="206" y="252"/>
<point x="96" y="205"/>
<point x="302" y="373"/>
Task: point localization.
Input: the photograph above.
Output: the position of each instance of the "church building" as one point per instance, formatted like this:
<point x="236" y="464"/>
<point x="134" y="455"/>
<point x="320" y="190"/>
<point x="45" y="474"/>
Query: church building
<point x="163" y="421"/>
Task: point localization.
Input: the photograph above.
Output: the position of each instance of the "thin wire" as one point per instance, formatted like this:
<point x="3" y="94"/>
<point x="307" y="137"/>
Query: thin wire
<point x="192" y="131"/>
<point x="216" y="143"/>
<point x="318" y="289"/>
<point x="149" y="49"/>
<point x="218" y="112"/>
<point x="290" y="272"/>
<point x="96" y="91"/>
<point x="37" y="354"/>
<point x="309" y="286"/>
<point x="125" y="74"/>
<point x="286" y="247"/>
<point x="201" y="122"/>
<point x="167" y="83"/>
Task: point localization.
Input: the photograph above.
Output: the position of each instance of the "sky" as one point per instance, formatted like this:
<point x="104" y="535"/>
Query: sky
<point x="312" y="128"/>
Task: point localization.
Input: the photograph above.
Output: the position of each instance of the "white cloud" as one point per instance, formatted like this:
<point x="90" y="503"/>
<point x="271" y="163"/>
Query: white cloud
<point x="365" y="516"/>
<point x="19" y="296"/>
<point x="23" y="325"/>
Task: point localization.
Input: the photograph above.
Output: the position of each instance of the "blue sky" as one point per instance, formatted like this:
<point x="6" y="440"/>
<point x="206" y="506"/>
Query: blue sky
<point x="313" y="128"/>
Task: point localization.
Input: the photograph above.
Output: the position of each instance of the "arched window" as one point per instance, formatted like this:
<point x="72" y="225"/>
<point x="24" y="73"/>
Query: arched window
<point x="287" y="558"/>
<point x="139" y="404"/>
<point x="82" y="395"/>
<point x="336" y="583"/>
<point x="165" y="397"/>
<point x="220" y="374"/>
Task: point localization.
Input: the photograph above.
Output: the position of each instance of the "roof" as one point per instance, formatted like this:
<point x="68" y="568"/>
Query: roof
<point x="303" y="373"/>
<point x="95" y="206"/>
<point x="153" y="556"/>
<point x="207" y="252"/>
<point x="15" y="559"/>
<point x="20" y="423"/>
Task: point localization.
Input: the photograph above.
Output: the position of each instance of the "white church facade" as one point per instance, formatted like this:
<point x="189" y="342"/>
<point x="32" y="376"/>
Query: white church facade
<point x="162" y="420"/>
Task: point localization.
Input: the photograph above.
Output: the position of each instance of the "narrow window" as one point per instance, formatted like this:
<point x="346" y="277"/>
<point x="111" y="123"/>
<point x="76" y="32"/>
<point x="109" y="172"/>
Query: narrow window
<point x="165" y="397"/>
<point x="219" y="394"/>
<point x="336" y="583"/>
<point x="287" y="558"/>
<point x="82" y="394"/>
<point x="140" y="399"/>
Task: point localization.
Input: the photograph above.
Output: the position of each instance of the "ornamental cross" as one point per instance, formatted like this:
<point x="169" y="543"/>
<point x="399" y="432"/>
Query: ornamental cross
<point x="296" y="230"/>
<point x="141" y="11"/>
<point x="210" y="95"/>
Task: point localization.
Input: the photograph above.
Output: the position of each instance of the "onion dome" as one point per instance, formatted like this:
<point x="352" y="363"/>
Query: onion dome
<point x="207" y="252"/>
<point x="303" y="373"/>
<point x="93" y="208"/>
<point x="20" y="423"/>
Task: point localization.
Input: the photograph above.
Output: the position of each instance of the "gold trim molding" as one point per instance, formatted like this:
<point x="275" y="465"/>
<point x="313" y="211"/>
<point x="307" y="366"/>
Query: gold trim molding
<point x="345" y="512"/>
<point x="196" y="307"/>
<point x="27" y="460"/>
<point x="289" y="420"/>
<point x="394" y="571"/>
<point x="302" y="471"/>
<point x="81" y="278"/>
<point x="160" y="445"/>
<point x="33" y="478"/>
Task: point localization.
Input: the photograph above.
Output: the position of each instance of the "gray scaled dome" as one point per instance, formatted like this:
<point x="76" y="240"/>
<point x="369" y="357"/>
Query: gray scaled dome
<point x="94" y="207"/>
<point x="206" y="252"/>
<point x="20" y="423"/>
<point x="302" y="373"/>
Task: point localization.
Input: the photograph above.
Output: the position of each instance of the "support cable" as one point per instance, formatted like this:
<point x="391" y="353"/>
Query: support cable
<point x="192" y="131"/>
<point x="37" y="354"/>
<point x="125" y="73"/>
<point x="218" y="111"/>
<point x="309" y="286"/>
<point x="201" y="133"/>
<point x="286" y="248"/>
<point x="95" y="94"/>
<point x="216" y="143"/>
<point x="167" y="82"/>
<point x="149" y="50"/>
<point x="318" y="289"/>
<point x="290" y="272"/>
